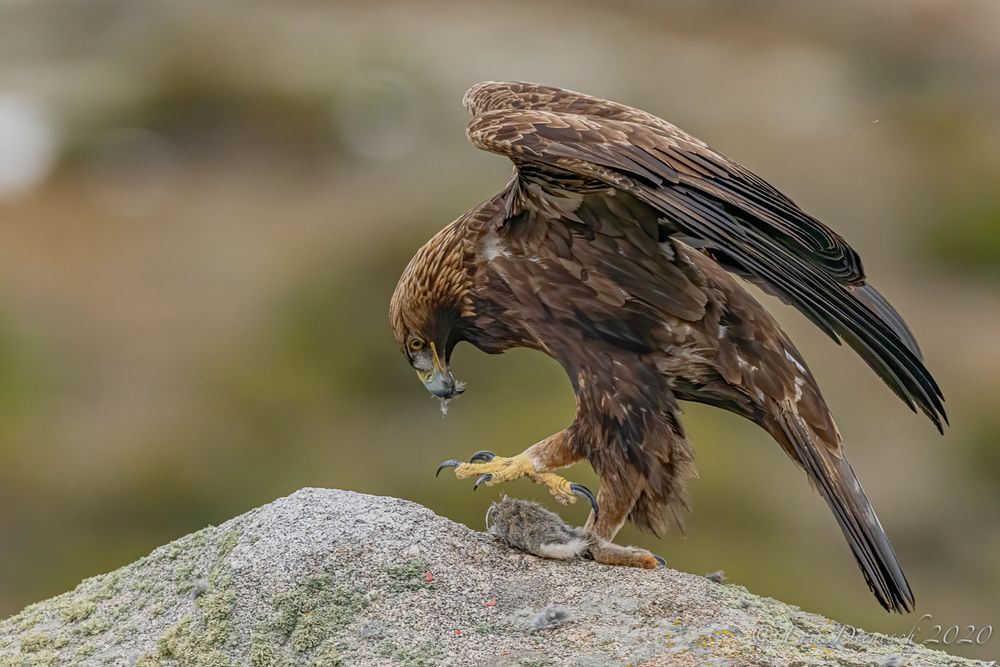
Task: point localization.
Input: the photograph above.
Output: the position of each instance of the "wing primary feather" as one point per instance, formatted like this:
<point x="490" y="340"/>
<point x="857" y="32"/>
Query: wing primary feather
<point x="881" y="306"/>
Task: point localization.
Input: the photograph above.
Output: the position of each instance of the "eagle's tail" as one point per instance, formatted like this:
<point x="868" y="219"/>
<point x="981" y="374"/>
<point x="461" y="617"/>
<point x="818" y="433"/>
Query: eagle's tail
<point x="831" y="473"/>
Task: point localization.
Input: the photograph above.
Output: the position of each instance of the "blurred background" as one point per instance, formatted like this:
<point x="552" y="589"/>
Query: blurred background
<point x="204" y="208"/>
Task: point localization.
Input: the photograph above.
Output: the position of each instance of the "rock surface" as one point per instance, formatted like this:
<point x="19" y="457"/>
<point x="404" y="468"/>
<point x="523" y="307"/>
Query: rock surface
<point x="326" y="577"/>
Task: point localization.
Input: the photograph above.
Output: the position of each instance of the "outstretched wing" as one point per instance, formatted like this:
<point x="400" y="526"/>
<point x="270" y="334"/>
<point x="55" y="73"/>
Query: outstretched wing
<point x="721" y="207"/>
<point x="682" y="159"/>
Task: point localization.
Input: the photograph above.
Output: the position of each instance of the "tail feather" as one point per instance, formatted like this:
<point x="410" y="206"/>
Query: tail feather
<point x="833" y="476"/>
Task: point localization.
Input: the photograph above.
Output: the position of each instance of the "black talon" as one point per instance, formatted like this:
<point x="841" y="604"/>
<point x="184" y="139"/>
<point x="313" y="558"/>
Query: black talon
<point x="659" y="559"/>
<point x="450" y="463"/>
<point x="581" y="490"/>
<point x="482" y="478"/>
<point x="482" y="456"/>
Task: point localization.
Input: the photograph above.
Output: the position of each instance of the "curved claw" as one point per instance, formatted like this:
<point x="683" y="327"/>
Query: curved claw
<point x="581" y="490"/>
<point x="482" y="456"/>
<point x="450" y="463"/>
<point x="660" y="560"/>
<point x="482" y="478"/>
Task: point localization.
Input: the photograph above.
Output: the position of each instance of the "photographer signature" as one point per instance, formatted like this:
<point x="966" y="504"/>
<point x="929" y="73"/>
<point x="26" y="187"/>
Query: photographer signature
<point x="924" y="631"/>
<point x="944" y="636"/>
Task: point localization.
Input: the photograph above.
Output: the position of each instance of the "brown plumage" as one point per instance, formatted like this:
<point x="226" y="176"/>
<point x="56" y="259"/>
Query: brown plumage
<point x="612" y="250"/>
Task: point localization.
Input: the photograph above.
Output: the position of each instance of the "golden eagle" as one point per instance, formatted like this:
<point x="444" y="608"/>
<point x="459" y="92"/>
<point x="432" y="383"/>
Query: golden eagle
<point x="613" y="250"/>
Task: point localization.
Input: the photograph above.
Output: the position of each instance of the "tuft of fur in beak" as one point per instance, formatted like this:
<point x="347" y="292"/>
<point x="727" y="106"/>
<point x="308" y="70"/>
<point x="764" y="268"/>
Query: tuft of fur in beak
<point x="459" y="388"/>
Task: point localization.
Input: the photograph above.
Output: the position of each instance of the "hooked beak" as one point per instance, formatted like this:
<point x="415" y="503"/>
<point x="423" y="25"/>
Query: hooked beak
<point x="440" y="381"/>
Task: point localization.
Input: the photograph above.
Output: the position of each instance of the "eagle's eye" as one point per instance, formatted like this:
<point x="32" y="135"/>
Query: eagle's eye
<point x="416" y="345"/>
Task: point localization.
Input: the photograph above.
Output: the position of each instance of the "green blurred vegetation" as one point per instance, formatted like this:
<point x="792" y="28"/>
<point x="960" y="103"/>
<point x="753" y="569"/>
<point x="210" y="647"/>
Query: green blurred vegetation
<point x="966" y="235"/>
<point x="193" y="301"/>
<point x="961" y="221"/>
<point x="21" y="374"/>
<point x="980" y="453"/>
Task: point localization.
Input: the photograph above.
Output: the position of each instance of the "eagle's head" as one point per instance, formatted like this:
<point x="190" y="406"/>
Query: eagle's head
<point x="427" y="309"/>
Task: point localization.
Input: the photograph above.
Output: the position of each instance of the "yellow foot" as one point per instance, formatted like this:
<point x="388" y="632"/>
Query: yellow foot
<point x="490" y="469"/>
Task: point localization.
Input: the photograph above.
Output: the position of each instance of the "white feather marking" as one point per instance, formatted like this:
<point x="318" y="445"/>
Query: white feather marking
<point x="492" y="249"/>
<point x="798" y="364"/>
<point x="743" y="363"/>
<point x="799" y="383"/>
